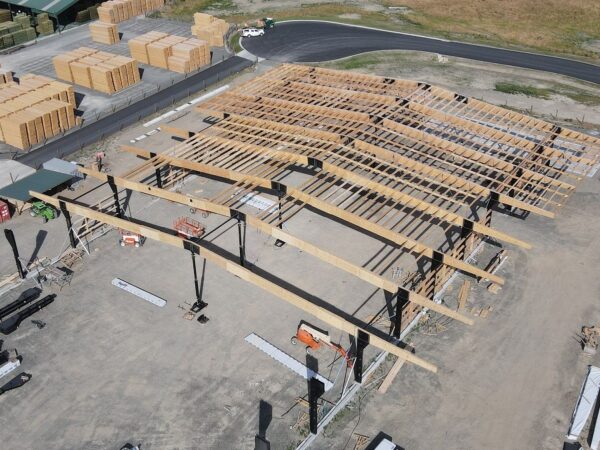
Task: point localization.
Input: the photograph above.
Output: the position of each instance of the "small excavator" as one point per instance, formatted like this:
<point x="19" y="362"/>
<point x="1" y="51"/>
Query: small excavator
<point x="314" y="338"/>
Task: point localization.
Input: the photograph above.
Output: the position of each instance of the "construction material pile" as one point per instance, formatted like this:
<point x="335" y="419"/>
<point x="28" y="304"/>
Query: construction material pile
<point x="6" y="76"/>
<point x="94" y="69"/>
<point x="116" y="11"/>
<point x="34" y="110"/>
<point x="5" y="15"/>
<point x="16" y="32"/>
<point x="176" y="53"/>
<point x="210" y="29"/>
<point x="105" y="33"/>
<point x="44" y="25"/>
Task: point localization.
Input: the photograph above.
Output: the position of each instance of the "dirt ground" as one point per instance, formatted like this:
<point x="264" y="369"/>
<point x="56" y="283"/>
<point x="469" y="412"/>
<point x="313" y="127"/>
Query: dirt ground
<point x="109" y="368"/>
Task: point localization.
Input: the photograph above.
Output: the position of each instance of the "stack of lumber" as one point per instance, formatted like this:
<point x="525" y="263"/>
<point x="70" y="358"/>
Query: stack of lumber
<point x="210" y="29"/>
<point x="44" y="25"/>
<point x="94" y="69"/>
<point x="105" y="33"/>
<point x="116" y="11"/>
<point x="93" y="10"/>
<point x="34" y="110"/>
<point x="5" y="15"/>
<point x="176" y="53"/>
<point x="6" y="76"/>
<point x="15" y="33"/>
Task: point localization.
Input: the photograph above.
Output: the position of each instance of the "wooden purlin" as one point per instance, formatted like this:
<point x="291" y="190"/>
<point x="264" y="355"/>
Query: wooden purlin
<point x="506" y="119"/>
<point x="406" y="200"/>
<point x="409" y="244"/>
<point x="227" y="211"/>
<point x="359" y="124"/>
<point x="256" y="88"/>
<point x="343" y="99"/>
<point x="351" y="325"/>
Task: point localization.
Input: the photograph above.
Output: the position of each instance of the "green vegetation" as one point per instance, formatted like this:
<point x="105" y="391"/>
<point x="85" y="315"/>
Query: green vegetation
<point x="234" y="43"/>
<point x="529" y="91"/>
<point x="577" y="95"/>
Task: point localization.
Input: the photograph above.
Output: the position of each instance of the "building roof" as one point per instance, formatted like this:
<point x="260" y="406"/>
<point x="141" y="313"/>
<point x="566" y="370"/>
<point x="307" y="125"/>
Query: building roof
<point x="41" y="181"/>
<point x="50" y="6"/>
<point x="11" y="171"/>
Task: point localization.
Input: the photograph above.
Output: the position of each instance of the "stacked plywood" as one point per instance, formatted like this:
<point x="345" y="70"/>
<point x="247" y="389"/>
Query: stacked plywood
<point x="101" y="71"/>
<point x="44" y="26"/>
<point x="105" y="33"/>
<point x="176" y="53"/>
<point x="210" y="29"/>
<point x="34" y="110"/>
<point x="116" y="11"/>
<point x="6" y="76"/>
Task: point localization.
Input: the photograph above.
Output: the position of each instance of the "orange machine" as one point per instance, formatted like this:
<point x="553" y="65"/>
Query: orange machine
<point x="129" y="239"/>
<point x="188" y="228"/>
<point x="314" y="339"/>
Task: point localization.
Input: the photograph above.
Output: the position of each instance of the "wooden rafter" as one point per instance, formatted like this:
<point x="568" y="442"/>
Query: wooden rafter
<point x="409" y="244"/>
<point x="350" y="325"/>
<point x="277" y="233"/>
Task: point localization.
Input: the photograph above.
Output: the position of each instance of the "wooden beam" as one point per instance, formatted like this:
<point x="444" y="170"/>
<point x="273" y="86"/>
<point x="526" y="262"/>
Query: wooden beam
<point x="313" y="250"/>
<point x="392" y="236"/>
<point x="305" y="305"/>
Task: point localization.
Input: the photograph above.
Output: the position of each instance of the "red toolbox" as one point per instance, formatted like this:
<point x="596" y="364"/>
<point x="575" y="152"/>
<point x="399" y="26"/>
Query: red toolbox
<point x="4" y="212"/>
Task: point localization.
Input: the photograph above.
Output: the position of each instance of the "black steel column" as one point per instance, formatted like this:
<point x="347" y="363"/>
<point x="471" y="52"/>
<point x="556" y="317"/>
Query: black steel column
<point x="196" y="287"/>
<point x="158" y="177"/>
<point x="401" y="300"/>
<point x="113" y="186"/>
<point x="316" y="389"/>
<point x="241" y="221"/>
<point x="65" y="212"/>
<point x="10" y="237"/>
<point x="362" y="340"/>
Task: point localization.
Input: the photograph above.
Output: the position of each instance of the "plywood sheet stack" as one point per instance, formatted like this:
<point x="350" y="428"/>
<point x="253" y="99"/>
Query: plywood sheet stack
<point x="97" y="70"/>
<point x="210" y="29"/>
<point x="44" y="26"/>
<point x="116" y="11"/>
<point x="34" y="110"/>
<point x="105" y="33"/>
<point x="6" y="76"/>
<point x="176" y="53"/>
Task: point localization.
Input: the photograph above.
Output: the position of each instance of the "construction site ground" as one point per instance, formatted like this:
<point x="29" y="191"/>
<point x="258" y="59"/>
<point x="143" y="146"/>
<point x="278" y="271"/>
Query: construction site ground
<point x="109" y="368"/>
<point x="92" y="104"/>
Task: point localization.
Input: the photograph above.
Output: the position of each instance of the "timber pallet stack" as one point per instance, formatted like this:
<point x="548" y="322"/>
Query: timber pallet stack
<point x="210" y="29"/>
<point x="36" y="109"/>
<point x="6" y="76"/>
<point x="105" y="33"/>
<point x="97" y="70"/>
<point x="176" y="53"/>
<point x="116" y="11"/>
<point x="44" y="26"/>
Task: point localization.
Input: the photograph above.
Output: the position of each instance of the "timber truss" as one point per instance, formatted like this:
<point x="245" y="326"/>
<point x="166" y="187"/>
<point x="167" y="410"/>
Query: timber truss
<point x="415" y="166"/>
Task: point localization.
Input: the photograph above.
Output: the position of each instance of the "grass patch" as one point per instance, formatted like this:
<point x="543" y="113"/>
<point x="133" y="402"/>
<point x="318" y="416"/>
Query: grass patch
<point x="234" y="43"/>
<point x="577" y="95"/>
<point x="557" y="26"/>
<point x="529" y="91"/>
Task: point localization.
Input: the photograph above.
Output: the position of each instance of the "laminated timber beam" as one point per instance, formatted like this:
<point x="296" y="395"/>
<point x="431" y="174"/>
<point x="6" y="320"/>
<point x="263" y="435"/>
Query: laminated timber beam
<point x="392" y="236"/>
<point x="354" y="126"/>
<point x="335" y="320"/>
<point x="405" y="199"/>
<point x="277" y="233"/>
<point x="454" y="181"/>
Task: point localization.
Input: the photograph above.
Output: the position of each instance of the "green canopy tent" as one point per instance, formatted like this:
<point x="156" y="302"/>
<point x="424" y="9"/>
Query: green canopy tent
<point x="53" y="7"/>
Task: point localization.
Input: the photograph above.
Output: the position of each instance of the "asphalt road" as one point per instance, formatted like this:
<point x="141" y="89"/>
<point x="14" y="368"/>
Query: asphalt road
<point x="113" y="123"/>
<point x="322" y="41"/>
